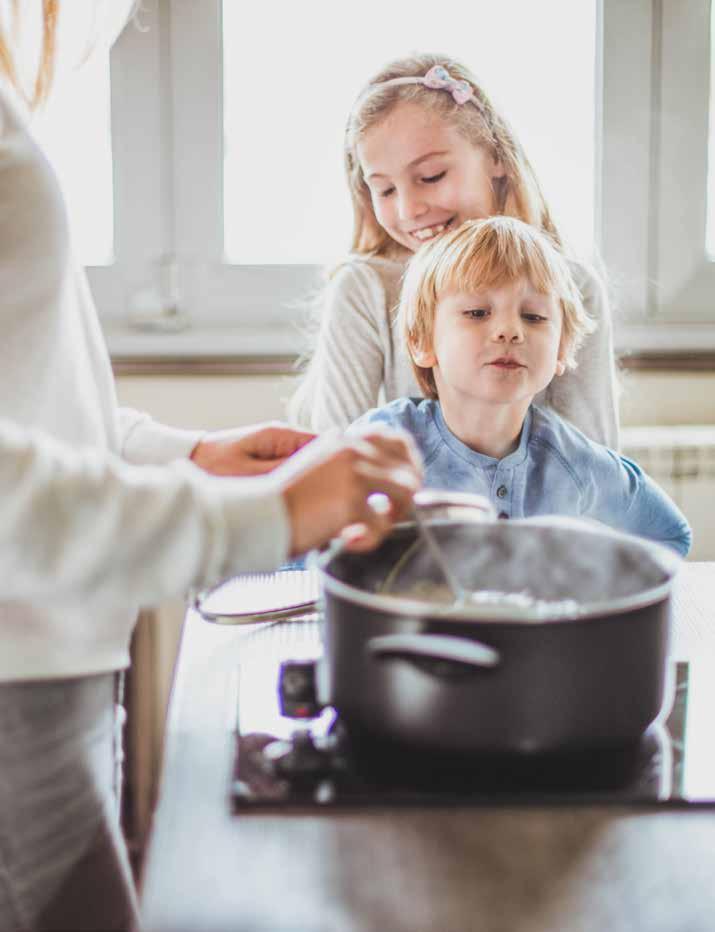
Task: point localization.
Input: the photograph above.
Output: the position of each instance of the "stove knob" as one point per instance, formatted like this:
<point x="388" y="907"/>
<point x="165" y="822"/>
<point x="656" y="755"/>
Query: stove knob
<point x="296" y="689"/>
<point x="297" y="759"/>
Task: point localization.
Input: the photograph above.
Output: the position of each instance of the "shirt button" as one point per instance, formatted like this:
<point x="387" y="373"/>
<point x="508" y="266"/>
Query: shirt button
<point x="502" y="515"/>
<point x="501" y="491"/>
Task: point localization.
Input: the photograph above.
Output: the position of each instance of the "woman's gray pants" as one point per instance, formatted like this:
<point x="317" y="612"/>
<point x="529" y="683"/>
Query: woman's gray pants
<point x="63" y="860"/>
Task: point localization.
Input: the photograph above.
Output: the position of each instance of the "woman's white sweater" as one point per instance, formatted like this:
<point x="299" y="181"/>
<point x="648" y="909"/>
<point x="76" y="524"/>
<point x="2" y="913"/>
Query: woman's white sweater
<point x="85" y="538"/>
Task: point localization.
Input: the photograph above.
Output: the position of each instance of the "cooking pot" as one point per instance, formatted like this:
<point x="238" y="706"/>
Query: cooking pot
<point x="564" y="648"/>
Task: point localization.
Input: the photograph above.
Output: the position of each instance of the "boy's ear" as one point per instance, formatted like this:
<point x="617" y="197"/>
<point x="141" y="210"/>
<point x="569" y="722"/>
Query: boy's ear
<point x="423" y="356"/>
<point x="562" y="355"/>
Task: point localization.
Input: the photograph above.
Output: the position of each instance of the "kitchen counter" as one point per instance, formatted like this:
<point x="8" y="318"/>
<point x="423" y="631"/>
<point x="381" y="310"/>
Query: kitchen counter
<point x="517" y="869"/>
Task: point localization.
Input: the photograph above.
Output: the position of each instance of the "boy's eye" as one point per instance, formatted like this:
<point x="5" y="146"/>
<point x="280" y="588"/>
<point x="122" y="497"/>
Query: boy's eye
<point x="476" y="313"/>
<point x="533" y="317"/>
<point x="433" y="179"/>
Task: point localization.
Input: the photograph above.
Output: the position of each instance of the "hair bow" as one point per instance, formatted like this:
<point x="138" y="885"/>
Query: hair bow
<point x="440" y="79"/>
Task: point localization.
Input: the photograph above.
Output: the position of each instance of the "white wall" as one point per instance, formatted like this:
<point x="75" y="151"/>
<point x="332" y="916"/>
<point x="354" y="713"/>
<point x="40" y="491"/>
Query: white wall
<point x="667" y="398"/>
<point x="211" y="402"/>
<point x="225" y="401"/>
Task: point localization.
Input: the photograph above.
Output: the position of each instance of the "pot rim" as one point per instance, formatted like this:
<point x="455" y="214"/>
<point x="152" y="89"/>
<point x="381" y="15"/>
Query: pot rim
<point x="509" y="615"/>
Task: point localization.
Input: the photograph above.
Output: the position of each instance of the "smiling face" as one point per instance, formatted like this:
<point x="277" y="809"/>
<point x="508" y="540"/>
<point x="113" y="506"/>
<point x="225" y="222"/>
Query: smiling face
<point x="499" y="346"/>
<point x="423" y="175"/>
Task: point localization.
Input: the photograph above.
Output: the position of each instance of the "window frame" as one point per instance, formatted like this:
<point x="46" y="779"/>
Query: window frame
<point x="167" y="125"/>
<point x="168" y="175"/>
<point x="142" y="201"/>
<point x="655" y="62"/>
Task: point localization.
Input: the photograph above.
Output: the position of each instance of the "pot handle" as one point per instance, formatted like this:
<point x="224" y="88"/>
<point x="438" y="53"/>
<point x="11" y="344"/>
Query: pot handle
<point x="466" y="506"/>
<point x="436" y="647"/>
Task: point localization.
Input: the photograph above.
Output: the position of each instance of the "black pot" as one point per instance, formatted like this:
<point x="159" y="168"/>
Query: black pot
<point x="499" y="679"/>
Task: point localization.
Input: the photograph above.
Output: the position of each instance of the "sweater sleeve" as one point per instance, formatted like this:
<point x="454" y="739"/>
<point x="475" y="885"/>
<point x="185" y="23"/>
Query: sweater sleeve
<point x="345" y="373"/>
<point x="78" y="524"/>
<point x="586" y="396"/>
<point x="144" y="441"/>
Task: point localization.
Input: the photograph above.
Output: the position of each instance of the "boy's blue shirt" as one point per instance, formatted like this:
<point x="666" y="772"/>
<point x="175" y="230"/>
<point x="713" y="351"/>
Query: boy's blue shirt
<point x="555" y="470"/>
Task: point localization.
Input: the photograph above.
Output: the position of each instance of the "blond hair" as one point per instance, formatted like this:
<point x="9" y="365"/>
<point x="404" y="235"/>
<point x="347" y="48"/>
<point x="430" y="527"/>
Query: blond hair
<point x="482" y="254"/>
<point x="45" y="70"/>
<point x="41" y="83"/>
<point x="517" y="194"/>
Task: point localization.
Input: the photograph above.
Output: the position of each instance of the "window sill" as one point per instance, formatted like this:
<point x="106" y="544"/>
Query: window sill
<point x="668" y="361"/>
<point x="666" y="347"/>
<point x="203" y="350"/>
<point x="219" y="349"/>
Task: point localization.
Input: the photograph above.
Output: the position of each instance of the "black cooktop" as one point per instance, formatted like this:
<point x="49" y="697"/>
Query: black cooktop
<point x="283" y="763"/>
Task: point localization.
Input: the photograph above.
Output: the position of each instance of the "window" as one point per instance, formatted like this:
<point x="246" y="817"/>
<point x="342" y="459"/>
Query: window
<point x="684" y="288"/>
<point x="285" y="197"/>
<point x="226" y="148"/>
<point x="710" y="230"/>
<point x="654" y="171"/>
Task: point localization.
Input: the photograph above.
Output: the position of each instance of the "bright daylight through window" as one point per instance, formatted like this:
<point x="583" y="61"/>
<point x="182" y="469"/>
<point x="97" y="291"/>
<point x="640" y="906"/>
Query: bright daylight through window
<point x="286" y="102"/>
<point x="75" y="131"/>
<point x="710" y="227"/>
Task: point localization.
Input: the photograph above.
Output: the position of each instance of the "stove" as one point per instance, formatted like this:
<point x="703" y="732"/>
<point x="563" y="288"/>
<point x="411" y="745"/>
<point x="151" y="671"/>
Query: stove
<point x="300" y="756"/>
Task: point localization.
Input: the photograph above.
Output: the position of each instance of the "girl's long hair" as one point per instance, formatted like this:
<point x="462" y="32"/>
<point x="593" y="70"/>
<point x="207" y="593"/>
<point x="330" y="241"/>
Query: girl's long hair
<point x="517" y="194"/>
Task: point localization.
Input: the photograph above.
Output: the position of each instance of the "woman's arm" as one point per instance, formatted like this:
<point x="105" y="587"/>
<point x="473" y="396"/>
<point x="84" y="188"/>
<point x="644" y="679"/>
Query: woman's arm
<point x="77" y="522"/>
<point x="238" y="451"/>
<point x="144" y="441"/>
<point x="80" y="524"/>
<point x="346" y="370"/>
<point x="587" y="396"/>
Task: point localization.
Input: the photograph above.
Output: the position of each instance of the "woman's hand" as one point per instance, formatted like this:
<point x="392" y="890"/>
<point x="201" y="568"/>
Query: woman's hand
<point x="250" y="451"/>
<point x="327" y="487"/>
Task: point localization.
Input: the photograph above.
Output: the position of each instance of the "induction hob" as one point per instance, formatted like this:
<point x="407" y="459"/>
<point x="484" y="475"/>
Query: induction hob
<point x="281" y="762"/>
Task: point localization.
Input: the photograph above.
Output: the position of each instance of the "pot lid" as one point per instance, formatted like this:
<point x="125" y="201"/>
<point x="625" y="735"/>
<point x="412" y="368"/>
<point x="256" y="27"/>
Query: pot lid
<point x="256" y="597"/>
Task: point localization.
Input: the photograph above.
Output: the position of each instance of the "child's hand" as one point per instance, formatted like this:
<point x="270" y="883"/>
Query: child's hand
<point x="327" y="486"/>
<point x="250" y="451"/>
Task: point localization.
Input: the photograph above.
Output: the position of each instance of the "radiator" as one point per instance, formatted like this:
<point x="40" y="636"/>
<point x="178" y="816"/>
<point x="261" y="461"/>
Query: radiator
<point x="681" y="459"/>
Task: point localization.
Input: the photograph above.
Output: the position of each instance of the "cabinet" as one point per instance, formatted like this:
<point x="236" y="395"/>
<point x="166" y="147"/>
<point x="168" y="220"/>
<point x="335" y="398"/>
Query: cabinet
<point x="211" y="402"/>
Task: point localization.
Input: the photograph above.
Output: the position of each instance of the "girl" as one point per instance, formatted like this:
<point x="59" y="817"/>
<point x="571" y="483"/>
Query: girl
<point x="86" y="537"/>
<point x="425" y="150"/>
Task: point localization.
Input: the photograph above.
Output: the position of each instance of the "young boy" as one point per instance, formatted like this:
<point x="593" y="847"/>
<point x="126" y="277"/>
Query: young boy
<point x="491" y="315"/>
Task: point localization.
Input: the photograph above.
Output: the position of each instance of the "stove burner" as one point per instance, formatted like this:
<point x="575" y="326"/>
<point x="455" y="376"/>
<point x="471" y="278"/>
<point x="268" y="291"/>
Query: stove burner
<point x="345" y="769"/>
